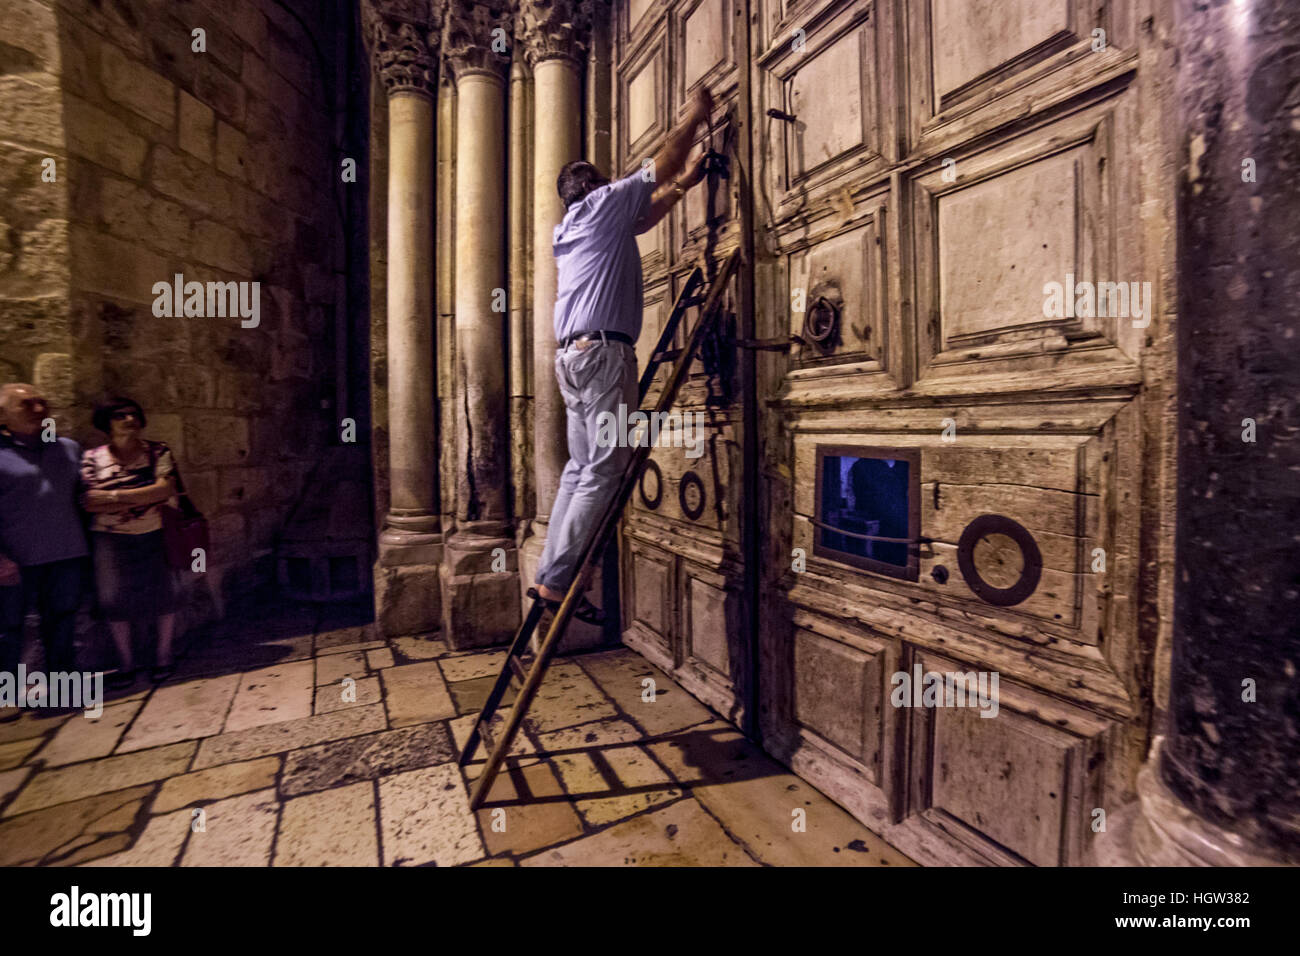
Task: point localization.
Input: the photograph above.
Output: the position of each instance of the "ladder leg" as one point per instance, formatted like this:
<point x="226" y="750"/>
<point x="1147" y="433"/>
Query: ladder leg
<point x="522" y="637"/>
<point x="526" y="694"/>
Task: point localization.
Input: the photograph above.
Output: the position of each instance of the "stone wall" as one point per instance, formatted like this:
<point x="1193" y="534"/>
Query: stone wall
<point x="221" y="164"/>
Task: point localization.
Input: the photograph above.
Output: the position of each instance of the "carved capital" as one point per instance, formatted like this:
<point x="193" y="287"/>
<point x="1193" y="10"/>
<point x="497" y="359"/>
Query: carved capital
<point x="554" y="29"/>
<point x="403" y="37"/>
<point x="478" y="37"/>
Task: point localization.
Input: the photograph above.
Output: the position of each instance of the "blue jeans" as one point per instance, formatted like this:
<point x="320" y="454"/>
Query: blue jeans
<point x="594" y="377"/>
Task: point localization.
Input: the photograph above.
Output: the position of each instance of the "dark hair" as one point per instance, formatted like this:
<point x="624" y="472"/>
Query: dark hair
<point x="576" y="180"/>
<point x="102" y="416"/>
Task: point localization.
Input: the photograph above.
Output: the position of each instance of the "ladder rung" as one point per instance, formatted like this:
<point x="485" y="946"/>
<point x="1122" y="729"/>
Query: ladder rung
<point x="670" y="355"/>
<point x="693" y="301"/>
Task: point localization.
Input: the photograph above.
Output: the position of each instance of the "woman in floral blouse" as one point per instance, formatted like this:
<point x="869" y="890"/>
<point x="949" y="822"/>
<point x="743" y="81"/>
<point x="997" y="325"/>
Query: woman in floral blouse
<point x="126" y="482"/>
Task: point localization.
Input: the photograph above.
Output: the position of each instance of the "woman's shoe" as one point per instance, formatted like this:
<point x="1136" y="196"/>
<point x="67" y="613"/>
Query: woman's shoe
<point x="121" y="679"/>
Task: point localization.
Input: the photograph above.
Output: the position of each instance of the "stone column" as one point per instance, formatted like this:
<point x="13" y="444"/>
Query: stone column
<point x="1223" y="786"/>
<point x="404" y="45"/>
<point x="521" y="165"/>
<point x="480" y="567"/>
<point x="445" y="283"/>
<point x="553" y="34"/>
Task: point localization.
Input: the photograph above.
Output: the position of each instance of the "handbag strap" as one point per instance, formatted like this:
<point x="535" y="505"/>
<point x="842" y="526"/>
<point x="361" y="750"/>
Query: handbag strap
<point x="176" y="472"/>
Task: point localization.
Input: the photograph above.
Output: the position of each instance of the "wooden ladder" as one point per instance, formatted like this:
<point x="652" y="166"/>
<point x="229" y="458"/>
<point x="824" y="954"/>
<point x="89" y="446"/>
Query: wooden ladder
<point x="529" y="673"/>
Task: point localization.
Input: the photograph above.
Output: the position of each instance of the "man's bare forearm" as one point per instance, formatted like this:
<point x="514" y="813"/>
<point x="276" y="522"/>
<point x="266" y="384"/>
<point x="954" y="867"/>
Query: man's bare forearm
<point x="671" y="158"/>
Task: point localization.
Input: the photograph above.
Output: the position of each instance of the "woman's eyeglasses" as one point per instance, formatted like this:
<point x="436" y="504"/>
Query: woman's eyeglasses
<point x="123" y="415"/>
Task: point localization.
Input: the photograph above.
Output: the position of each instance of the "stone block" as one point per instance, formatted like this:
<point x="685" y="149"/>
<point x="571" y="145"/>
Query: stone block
<point x="196" y="387"/>
<point x="479" y="610"/>
<point x="218" y="245"/>
<point x="50" y="831"/>
<point x="226" y="533"/>
<point x="232" y="151"/>
<point x="52" y="374"/>
<point x="536" y="815"/>
<point x="30" y="28"/>
<point x="217" y="439"/>
<point x="345" y="762"/>
<point x="330" y="828"/>
<point x="113" y="267"/>
<point x="265" y="124"/>
<point x="239" y="832"/>
<point x="186" y="180"/>
<point x="289" y="57"/>
<point x="132" y="84"/>
<point x="42" y="245"/>
<point x="407" y="599"/>
<point x="216" y="783"/>
<point x="202" y="487"/>
<point x="425" y="818"/>
<point x="220" y="91"/>
<point x="34" y="325"/>
<point x="249" y="25"/>
<point x="273" y="694"/>
<point x="196" y="127"/>
<point x="65" y="784"/>
<point x="291" y="356"/>
<point x="223" y="45"/>
<point x="123" y="207"/>
<point x="26" y="194"/>
<point x="100" y="138"/>
<point x="242" y="485"/>
<point x="32" y="114"/>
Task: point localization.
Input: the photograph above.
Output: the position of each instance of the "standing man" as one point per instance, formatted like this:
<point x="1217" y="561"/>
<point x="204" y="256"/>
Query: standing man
<point x="42" y="544"/>
<point x="598" y="308"/>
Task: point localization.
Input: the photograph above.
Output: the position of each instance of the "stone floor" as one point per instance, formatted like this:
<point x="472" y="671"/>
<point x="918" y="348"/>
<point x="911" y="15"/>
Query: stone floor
<point x="288" y="768"/>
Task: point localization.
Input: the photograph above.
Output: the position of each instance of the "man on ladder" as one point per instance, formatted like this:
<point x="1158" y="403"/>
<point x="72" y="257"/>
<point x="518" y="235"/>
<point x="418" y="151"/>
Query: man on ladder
<point x="598" y="308"/>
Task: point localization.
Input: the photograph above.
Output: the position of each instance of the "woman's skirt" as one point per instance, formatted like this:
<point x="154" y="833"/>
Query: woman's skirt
<point x="132" y="576"/>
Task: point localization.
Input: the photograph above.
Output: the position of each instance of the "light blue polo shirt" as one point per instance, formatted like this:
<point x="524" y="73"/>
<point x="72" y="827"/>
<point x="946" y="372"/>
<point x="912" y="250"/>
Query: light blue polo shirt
<point x="599" y="265"/>
<point x="39" y="517"/>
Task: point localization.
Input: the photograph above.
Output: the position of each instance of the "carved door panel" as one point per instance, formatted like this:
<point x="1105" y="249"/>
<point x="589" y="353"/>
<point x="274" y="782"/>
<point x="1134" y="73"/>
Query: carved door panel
<point x="956" y="463"/>
<point x="682" y="571"/>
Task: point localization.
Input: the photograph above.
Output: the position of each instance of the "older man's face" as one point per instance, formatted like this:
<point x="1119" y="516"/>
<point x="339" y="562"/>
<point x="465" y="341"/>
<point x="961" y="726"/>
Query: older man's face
<point x="23" y="408"/>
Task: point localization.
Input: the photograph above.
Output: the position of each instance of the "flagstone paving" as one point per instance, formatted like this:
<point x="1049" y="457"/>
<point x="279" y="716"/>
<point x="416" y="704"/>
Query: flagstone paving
<point x="287" y="742"/>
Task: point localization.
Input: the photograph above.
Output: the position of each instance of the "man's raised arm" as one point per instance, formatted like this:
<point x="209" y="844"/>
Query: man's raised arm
<point x="671" y="159"/>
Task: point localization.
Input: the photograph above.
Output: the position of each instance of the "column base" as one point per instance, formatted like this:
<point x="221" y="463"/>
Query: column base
<point x="1166" y="832"/>
<point x="410" y="539"/>
<point x="480" y="606"/>
<point x="408" y="599"/>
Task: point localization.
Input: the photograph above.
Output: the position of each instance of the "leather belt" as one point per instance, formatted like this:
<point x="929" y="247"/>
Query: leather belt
<point x="597" y="336"/>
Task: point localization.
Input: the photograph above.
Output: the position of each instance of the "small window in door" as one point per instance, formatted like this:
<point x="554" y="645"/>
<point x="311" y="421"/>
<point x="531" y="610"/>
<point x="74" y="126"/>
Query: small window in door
<point x="868" y="508"/>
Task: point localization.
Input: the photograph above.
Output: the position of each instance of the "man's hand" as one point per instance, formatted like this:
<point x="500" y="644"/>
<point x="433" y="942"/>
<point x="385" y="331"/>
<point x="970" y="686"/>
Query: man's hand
<point x="10" y="574"/>
<point x="702" y="105"/>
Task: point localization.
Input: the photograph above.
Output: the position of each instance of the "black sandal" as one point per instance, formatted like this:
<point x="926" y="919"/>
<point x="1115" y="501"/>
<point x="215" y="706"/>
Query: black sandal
<point x="588" y="613"/>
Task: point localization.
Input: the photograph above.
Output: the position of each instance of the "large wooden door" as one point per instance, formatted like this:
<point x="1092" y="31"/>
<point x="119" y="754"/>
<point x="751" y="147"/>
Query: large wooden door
<point x="922" y="172"/>
<point x="945" y="163"/>
<point x="683" y="536"/>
